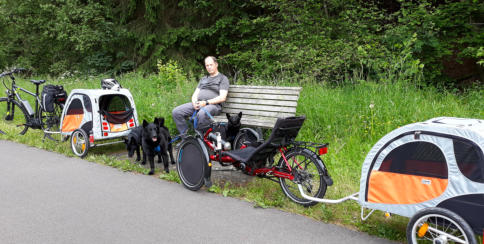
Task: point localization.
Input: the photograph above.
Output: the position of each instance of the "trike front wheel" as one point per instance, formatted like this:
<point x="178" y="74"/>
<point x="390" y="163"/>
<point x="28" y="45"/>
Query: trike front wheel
<point x="308" y="166"/>
<point x="190" y="164"/>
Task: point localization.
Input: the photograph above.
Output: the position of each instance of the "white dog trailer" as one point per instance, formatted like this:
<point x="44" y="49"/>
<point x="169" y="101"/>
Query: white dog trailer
<point x="95" y="114"/>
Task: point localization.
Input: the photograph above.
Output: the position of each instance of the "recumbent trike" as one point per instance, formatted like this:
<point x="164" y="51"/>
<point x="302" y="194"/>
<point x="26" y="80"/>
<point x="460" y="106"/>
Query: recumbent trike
<point x="299" y="162"/>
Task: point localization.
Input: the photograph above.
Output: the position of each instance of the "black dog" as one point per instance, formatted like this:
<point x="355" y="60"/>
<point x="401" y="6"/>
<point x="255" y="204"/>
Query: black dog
<point x="151" y="138"/>
<point x="133" y="142"/>
<point x="233" y="127"/>
<point x="165" y="140"/>
<point x="229" y="130"/>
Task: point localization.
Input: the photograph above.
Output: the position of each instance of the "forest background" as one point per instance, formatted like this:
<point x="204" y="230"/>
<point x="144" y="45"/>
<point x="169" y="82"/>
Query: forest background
<point x="328" y="41"/>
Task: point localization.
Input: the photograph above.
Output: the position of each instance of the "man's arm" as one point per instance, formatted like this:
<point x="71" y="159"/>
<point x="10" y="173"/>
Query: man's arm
<point x="195" y="98"/>
<point x="216" y="100"/>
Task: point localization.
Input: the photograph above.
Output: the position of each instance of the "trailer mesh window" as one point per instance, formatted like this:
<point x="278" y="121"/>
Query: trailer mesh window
<point x="116" y="108"/>
<point x="470" y="160"/>
<point x="416" y="158"/>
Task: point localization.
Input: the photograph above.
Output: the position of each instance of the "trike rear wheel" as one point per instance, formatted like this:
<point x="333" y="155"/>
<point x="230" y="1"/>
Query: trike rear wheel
<point x="245" y="137"/>
<point x="190" y="164"/>
<point x="309" y="168"/>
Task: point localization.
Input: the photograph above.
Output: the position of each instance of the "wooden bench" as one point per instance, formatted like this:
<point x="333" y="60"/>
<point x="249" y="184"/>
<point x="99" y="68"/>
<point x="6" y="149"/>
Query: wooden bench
<point x="260" y="105"/>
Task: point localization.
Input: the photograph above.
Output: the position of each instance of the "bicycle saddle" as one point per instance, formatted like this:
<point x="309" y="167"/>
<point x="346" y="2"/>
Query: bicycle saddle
<point x="37" y="82"/>
<point x="284" y="132"/>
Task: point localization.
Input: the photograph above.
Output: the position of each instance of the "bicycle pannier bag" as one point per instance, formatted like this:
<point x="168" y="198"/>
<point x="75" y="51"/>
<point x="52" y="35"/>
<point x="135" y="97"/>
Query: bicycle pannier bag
<point x="52" y="94"/>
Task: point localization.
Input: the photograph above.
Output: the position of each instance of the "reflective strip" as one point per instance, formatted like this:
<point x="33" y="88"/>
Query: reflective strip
<point x="118" y="127"/>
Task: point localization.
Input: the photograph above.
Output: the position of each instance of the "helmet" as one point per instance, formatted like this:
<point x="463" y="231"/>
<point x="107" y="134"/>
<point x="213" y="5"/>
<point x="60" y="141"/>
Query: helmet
<point x="110" y="84"/>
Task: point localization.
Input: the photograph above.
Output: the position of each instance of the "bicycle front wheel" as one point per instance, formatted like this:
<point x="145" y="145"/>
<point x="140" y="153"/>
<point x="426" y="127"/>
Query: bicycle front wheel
<point x="13" y="117"/>
<point x="50" y="122"/>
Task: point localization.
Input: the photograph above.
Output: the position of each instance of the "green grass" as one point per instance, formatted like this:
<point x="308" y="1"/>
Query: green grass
<point x="350" y="118"/>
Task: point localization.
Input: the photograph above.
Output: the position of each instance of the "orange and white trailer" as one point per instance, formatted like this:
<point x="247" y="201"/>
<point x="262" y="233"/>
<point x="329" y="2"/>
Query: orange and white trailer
<point x="93" y="115"/>
<point x="431" y="172"/>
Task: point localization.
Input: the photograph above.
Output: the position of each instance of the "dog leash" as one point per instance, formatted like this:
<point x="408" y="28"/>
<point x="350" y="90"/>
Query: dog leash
<point x="209" y="115"/>
<point x="195" y="122"/>
<point x="175" y="139"/>
<point x="194" y="118"/>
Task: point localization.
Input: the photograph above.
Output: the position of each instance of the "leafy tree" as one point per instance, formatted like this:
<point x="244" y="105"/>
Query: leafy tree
<point x="330" y="41"/>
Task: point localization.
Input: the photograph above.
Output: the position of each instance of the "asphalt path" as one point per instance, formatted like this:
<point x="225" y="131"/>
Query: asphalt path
<point x="46" y="197"/>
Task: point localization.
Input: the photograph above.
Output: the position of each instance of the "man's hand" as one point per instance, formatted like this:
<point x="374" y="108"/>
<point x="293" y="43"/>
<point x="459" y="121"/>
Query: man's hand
<point x="196" y="105"/>
<point x="199" y="104"/>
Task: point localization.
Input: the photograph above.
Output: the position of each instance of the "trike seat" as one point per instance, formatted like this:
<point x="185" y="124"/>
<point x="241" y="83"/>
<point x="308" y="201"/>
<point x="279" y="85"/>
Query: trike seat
<point x="284" y="132"/>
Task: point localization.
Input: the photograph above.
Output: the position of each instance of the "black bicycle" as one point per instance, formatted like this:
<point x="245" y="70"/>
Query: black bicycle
<point x="17" y="115"/>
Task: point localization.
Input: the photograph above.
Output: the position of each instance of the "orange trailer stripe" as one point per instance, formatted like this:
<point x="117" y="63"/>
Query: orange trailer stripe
<point x="71" y="122"/>
<point x="393" y="188"/>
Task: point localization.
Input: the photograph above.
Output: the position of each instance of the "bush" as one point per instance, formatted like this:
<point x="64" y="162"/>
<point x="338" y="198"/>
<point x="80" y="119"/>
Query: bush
<point x="170" y="75"/>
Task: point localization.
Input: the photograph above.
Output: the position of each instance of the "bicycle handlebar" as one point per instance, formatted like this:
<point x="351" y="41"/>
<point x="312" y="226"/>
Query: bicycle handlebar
<point x="16" y="70"/>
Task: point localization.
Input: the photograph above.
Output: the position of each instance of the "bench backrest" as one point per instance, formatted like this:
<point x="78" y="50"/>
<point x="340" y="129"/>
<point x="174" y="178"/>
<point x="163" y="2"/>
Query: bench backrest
<point x="260" y="105"/>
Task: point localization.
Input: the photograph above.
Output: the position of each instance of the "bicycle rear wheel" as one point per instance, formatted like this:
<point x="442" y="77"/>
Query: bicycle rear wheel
<point x="309" y="167"/>
<point x="13" y="117"/>
<point x="51" y="122"/>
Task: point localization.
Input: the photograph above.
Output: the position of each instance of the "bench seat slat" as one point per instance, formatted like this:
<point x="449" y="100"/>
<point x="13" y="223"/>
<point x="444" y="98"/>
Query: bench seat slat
<point x="260" y="107"/>
<point x="261" y="102"/>
<point x="262" y="124"/>
<point x="246" y="117"/>
<point x="251" y="121"/>
<point x="263" y="96"/>
<point x="267" y="87"/>
<point x="264" y="91"/>
<point x="258" y="113"/>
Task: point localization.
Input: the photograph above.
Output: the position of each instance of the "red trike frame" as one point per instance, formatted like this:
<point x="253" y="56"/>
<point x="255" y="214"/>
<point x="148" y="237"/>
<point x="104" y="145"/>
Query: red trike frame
<point x="247" y="169"/>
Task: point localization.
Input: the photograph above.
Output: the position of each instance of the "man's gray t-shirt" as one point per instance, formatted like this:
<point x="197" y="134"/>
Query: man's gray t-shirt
<point x="210" y="86"/>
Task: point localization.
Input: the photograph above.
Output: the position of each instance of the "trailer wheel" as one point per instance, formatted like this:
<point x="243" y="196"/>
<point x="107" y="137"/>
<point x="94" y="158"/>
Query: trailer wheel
<point x="439" y="225"/>
<point x="80" y="143"/>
